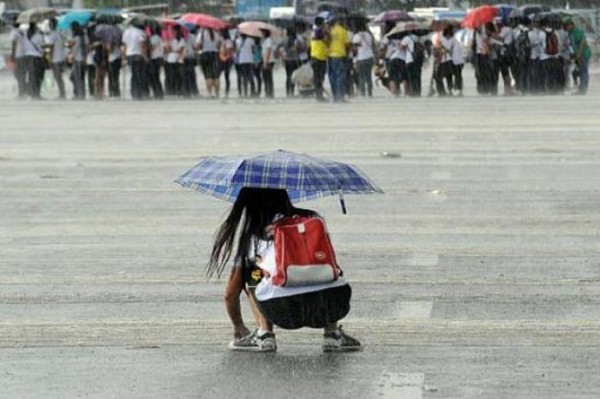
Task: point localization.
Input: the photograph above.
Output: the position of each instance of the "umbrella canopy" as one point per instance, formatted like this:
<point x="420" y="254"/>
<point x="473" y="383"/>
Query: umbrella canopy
<point x="480" y="16"/>
<point x="528" y="11"/>
<point x="505" y="11"/>
<point x="110" y="34"/>
<point x="205" y="21"/>
<point x="168" y="25"/>
<point x="81" y="17"/>
<point x="304" y="177"/>
<point x="454" y="15"/>
<point x="392" y="16"/>
<point x="404" y="28"/>
<point x="254" y="28"/>
<point x="109" y="16"/>
<point x="35" y="15"/>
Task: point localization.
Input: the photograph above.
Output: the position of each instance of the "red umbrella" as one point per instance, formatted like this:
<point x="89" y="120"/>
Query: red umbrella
<point x="168" y="33"/>
<point x="254" y="28"/>
<point x="205" y="21"/>
<point x="480" y="16"/>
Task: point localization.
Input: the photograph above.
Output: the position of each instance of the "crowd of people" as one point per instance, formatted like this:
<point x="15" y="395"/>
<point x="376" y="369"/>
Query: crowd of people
<point x="531" y="55"/>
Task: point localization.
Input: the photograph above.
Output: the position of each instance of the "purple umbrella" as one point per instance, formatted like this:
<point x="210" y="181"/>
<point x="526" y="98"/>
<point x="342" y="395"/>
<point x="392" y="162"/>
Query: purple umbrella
<point x="392" y="16"/>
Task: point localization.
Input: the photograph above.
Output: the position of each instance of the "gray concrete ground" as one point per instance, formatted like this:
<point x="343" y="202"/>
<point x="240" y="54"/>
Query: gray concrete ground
<point x="475" y="276"/>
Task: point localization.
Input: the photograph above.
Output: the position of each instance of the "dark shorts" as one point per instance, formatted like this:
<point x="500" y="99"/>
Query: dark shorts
<point x="397" y="70"/>
<point x="314" y="309"/>
<point x="209" y="62"/>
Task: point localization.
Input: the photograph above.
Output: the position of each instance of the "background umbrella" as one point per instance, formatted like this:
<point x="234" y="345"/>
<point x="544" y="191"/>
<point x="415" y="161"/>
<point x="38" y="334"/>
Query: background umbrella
<point x="392" y="16"/>
<point x="168" y="25"/>
<point x="505" y="11"/>
<point x="253" y="28"/>
<point x="480" y="16"/>
<point x="204" y="21"/>
<point x="109" y="16"/>
<point x="304" y="177"/>
<point x="35" y="15"/>
<point x="81" y="17"/>
<point x="454" y="15"/>
<point x="403" y="28"/>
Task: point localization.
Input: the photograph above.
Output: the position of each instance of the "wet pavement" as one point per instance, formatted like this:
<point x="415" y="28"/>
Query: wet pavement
<point x="476" y="275"/>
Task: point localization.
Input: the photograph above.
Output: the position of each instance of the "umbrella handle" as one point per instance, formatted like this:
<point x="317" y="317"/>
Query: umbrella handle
<point x="343" y="203"/>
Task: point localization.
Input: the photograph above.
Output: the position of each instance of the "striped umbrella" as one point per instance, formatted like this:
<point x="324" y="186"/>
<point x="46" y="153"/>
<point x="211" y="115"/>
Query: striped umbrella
<point x="304" y="177"/>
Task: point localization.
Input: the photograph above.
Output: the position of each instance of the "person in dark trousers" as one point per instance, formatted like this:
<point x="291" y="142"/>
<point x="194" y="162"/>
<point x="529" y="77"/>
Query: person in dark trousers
<point x="318" y="56"/>
<point x="291" y="58"/>
<point x="174" y="65"/>
<point x="134" y="41"/>
<point x="56" y="45"/>
<point x="245" y="52"/>
<point x="226" y="60"/>
<point x="90" y="61"/>
<point x="157" y="58"/>
<point x="33" y="46"/>
<point x="268" y="57"/>
<point x="257" y="67"/>
<point x="17" y="56"/>
<point x="114" y="63"/>
<point x="78" y="46"/>
<point x="190" y="60"/>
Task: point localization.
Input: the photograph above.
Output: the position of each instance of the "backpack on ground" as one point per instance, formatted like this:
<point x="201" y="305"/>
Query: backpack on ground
<point x="523" y="46"/>
<point x="303" y="253"/>
<point x="552" y="46"/>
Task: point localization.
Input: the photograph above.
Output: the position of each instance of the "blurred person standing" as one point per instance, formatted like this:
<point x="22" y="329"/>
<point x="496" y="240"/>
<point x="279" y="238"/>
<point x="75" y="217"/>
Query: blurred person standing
<point x="414" y="64"/>
<point x="337" y="60"/>
<point x="522" y="55"/>
<point x="318" y="53"/>
<point x="268" y="63"/>
<point x="90" y="63"/>
<point x="291" y="49"/>
<point x="226" y="59"/>
<point x="174" y="65"/>
<point x="115" y="62"/>
<point x="78" y="45"/>
<point x="505" y="55"/>
<point x="536" y="73"/>
<point x="458" y="63"/>
<point x="134" y="42"/>
<point x="56" y="44"/>
<point x="17" y="56"/>
<point x="581" y="54"/>
<point x="246" y="50"/>
<point x="364" y="44"/>
<point x="549" y="58"/>
<point x="190" y="60"/>
<point x="257" y="62"/>
<point x="157" y="60"/>
<point x="33" y="51"/>
<point x="209" y="42"/>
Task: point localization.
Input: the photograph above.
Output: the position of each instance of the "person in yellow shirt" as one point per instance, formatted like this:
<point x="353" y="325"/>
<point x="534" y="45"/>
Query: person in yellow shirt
<point x="338" y="52"/>
<point x="318" y="54"/>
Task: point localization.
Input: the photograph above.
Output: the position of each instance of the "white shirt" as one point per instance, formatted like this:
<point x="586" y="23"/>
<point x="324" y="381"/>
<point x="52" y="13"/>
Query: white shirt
<point x="458" y="52"/>
<point x="303" y="53"/>
<point x="55" y="39"/>
<point x="506" y="33"/>
<point x="89" y="60"/>
<point x="16" y="35"/>
<point x="266" y="45"/>
<point x="174" y="48"/>
<point x="33" y="46"/>
<point x="133" y="39"/>
<point x="208" y="44"/>
<point x="365" y="46"/>
<point x="76" y="49"/>
<point x="245" y="50"/>
<point x="409" y="46"/>
<point x="448" y="46"/>
<point x="190" y="51"/>
<point x="157" y="50"/>
<point x="534" y="42"/>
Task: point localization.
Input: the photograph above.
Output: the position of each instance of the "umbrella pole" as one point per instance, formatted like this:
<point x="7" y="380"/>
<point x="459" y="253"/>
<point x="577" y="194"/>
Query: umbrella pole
<point x="343" y="203"/>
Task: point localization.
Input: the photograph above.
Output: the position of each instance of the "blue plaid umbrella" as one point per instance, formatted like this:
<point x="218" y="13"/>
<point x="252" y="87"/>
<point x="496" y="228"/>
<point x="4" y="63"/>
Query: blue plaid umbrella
<point x="304" y="177"/>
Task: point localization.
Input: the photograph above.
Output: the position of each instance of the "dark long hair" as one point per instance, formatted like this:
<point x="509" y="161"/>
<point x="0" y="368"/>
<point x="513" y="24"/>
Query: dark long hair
<point x="253" y="210"/>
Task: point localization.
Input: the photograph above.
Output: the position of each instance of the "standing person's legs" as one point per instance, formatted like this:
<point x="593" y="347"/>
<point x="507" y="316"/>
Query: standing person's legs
<point x="57" y="70"/>
<point x="78" y="78"/>
<point x="458" y="78"/>
<point x="239" y="74"/>
<point x="258" y="76"/>
<point x="362" y="77"/>
<point x="157" y="87"/>
<point x="368" y="74"/>
<point x="226" y="69"/>
<point x="584" y="76"/>
<point x="268" y="79"/>
<point x="100" y="78"/>
<point x="21" y="76"/>
<point x="494" y="71"/>
<point x="318" y="67"/>
<point x="91" y="79"/>
<point x="35" y="69"/>
<point x="290" y="67"/>
<point x="169" y="78"/>
<point x="114" y="69"/>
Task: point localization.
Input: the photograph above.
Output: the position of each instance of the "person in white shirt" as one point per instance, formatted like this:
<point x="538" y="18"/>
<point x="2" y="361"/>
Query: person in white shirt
<point x="396" y="65"/>
<point x="364" y="43"/>
<point x="157" y="59"/>
<point x="290" y="53"/>
<point x="227" y="55"/>
<point x="536" y="78"/>
<point x="190" y="60"/>
<point x="90" y="62"/>
<point x="505" y="51"/>
<point x="78" y="45"/>
<point x="33" y="51"/>
<point x="174" y="64"/>
<point x="458" y="62"/>
<point x="245" y="48"/>
<point x="413" y="69"/>
<point x="268" y="58"/>
<point x="209" y="42"/>
<point x="17" y="56"/>
<point x="56" y="44"/>
<point x="134" y="42"/>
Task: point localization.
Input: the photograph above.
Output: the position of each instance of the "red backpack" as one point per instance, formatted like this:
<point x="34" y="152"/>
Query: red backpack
<point x="303" y="253"/>
<point x="552" y="43"/>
